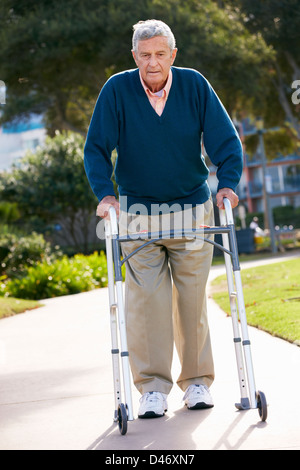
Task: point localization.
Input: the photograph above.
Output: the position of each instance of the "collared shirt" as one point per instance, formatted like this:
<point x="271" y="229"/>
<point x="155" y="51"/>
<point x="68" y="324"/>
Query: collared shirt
<point x="158" y="100"/>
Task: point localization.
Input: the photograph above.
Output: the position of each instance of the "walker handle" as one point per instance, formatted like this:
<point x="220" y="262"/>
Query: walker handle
<point x="228" y="211"/>
<point x="113" y="221"/>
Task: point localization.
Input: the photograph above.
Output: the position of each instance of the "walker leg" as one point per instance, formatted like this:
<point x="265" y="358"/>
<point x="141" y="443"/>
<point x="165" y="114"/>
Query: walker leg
<point x="121" y="315"/>
<point x="113" y="322"/>
<point x="256" y="399"/>
<point x="246" y="341"/>
<point x="244" y="404"/>
<point x="124" y="352"/>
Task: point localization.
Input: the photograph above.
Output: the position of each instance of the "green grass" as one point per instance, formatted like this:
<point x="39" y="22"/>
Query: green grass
<point x="272" y="298"/>
<point x="10" y="306"/>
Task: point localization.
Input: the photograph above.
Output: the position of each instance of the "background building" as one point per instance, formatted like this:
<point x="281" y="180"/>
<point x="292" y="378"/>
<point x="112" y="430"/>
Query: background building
<point x="16" y="139"/>
<point x="282" y="178"/>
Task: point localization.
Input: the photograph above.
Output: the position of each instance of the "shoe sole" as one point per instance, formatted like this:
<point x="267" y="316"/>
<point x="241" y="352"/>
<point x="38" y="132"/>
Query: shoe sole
<point x="200" y="406"/>
<point x="150" y="415"/>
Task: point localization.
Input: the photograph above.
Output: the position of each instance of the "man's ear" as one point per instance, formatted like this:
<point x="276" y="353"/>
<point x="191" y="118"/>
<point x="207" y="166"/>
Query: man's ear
<point x="134" y="56"/>
<point x="173" y="56"/>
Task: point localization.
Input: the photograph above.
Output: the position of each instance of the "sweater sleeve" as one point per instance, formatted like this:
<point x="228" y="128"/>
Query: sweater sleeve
<point x="102" y="139"/>
<point x="221" y="140"/>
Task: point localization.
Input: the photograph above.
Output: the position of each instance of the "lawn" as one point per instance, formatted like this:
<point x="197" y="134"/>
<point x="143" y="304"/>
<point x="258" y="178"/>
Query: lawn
<point x="272" y="298"/>
<point x="10" y="306"/>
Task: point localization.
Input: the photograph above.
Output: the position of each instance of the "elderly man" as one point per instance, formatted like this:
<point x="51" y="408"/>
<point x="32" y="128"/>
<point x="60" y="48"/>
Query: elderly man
<point x="157" y="117"/>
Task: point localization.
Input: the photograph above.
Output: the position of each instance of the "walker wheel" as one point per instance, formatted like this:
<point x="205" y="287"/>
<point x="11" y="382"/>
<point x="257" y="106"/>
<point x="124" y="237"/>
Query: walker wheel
<point x="262" y="406"/>
<point x="122" y="419"/>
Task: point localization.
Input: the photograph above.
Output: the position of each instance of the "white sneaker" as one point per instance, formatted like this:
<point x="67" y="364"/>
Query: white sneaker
<point x="198" y="397"/>
<point x="153" y="405"/>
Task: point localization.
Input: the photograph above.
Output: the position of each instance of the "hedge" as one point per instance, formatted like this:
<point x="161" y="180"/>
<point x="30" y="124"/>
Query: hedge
<point x="62" y="277"/>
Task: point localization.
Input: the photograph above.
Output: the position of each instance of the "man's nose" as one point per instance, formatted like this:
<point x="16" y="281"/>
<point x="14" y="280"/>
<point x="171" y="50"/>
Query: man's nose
<point x="153" y="61"/>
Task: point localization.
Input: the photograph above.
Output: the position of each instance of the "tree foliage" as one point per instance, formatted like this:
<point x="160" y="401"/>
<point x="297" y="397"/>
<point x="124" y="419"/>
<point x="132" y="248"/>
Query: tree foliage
<point x="278" y="23"/>
<point x="55" y="56"/>
<point x="51" y="185"/>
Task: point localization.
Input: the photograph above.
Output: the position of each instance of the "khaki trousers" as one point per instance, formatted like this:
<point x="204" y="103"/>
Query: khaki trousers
<point x="165" y="301"/>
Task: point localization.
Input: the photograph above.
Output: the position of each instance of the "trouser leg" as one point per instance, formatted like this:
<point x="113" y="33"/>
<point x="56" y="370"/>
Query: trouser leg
<point x="148" y="307"/>
<point x="190" y="265"/>
<point x="191" y="330"/>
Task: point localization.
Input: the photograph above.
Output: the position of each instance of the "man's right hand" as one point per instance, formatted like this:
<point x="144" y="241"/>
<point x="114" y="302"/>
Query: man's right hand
<point x="105" y="204"/>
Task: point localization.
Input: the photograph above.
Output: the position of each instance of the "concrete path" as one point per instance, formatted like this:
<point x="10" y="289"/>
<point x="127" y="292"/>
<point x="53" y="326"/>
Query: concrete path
<point x="56" y="388"/>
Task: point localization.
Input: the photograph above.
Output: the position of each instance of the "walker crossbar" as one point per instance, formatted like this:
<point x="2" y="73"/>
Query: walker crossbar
<point x="249" y="397"/>
<point x="154" y="237"/>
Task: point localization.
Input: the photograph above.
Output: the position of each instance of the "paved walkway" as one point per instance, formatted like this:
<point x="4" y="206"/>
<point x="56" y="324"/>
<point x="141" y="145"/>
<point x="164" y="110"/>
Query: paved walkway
<point x="56" y="387"/>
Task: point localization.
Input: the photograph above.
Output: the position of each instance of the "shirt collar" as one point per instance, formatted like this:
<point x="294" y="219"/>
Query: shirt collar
<point x="166" y="88"/>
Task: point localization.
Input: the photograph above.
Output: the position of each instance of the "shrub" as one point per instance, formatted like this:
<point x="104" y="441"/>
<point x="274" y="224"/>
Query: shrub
<point x="62" y="277"/>
<point x="17" y="253"/>
<point x="8" y="212"/>
<point x="50" y="186"/>
<point x="286" y="215"/>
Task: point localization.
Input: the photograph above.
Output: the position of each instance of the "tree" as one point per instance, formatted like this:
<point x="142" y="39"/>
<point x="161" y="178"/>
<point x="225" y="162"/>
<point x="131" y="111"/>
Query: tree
<point x="55" y="56"/>
<point x="51" y="185"/>
<point x="278" y="22"/>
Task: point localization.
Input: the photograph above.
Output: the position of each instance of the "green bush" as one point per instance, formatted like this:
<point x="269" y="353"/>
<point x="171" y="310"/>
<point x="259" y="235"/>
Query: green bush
<point x="9" y="212"/>
<point x="62" y="277"/>
<point x="17" y="253"/>
<point x="286" y="215"/>
<point x="282" y="215"/>
<point x="50" y="184"/>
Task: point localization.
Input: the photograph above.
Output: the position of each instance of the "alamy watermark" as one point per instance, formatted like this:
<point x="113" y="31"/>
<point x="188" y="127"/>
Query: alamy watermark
<point x="2" y="92"/>
<point x="296" y="94"/>
<point x="162" y="221"/>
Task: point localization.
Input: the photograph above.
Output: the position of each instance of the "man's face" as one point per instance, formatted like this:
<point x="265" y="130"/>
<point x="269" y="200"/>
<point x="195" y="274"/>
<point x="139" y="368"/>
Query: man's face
<point x="154" y="59"/>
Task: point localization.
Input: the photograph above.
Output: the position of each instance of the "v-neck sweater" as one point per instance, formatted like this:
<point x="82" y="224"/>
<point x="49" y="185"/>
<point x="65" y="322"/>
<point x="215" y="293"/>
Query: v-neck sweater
<point x="158" y="99"/>
<point x="159" y="157"/>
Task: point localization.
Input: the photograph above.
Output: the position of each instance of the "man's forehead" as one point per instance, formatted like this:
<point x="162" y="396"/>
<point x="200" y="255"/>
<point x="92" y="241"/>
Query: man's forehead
<point x="155" y="43"/>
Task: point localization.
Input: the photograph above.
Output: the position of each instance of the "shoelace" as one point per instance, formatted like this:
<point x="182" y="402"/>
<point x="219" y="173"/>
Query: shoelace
<point x="152" y="397"/>
<point x="197" y="389"/>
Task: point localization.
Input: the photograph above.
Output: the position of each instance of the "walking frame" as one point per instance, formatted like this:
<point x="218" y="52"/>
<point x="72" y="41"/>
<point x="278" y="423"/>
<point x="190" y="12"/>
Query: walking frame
<point x="250" y="398"/>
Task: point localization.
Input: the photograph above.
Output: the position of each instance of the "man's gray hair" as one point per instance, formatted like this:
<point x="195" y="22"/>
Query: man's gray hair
<point x="149" y="29"/>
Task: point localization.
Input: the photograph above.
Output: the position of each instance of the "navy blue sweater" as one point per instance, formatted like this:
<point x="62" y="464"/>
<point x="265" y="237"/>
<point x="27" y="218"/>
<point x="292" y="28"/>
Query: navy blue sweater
<point x="159" y="157"/>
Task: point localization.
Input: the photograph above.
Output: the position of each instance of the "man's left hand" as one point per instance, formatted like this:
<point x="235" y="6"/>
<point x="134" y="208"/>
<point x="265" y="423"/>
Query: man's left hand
<point x="229" y="194"/>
